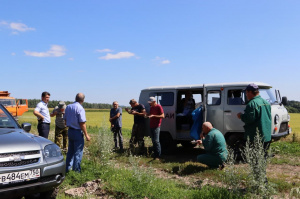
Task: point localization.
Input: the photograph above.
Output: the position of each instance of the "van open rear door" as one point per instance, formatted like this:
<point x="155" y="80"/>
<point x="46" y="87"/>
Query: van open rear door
<point x="204" y="104"/>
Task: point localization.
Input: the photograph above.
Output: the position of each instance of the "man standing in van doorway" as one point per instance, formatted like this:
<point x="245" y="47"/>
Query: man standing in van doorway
<point x="156" y="114"/>
<point x="257" y="116"/>
<point x="42" y="113"/>
<point x="137" y="134"/>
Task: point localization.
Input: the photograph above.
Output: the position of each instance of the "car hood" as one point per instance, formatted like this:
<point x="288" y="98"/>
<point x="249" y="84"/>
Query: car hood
<point x="17" y="140"/>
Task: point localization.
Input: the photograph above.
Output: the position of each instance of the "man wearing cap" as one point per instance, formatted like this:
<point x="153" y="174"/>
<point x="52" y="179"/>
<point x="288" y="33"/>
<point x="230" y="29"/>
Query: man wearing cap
<point x="75" y="119"/>
<point x="42" y="113"/>
<point x="61" y="130"/>
<point x="156" y="114"/>
<point x="116" y="124"/>
<point x="257" y="116"/>
<point x="137" y="134"/>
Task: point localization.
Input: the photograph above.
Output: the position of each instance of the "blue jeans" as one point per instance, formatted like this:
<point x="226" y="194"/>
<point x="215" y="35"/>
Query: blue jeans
<point x="75" y="149"/>
<point x="155" y="140"/>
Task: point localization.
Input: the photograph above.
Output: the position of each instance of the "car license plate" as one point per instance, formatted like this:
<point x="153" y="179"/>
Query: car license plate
<point x="20" y="176"/>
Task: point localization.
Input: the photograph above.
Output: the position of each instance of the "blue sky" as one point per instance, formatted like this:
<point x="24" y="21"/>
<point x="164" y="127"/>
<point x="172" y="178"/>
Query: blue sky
<point x="110" y="50"/>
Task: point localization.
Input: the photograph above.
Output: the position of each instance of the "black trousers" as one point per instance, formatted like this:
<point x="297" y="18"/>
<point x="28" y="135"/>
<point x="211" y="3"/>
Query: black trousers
<point x="43" y="129"/>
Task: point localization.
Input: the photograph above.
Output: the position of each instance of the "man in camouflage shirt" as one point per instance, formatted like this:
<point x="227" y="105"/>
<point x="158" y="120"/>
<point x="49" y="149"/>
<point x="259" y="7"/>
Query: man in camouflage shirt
<point x="61" y="130"/>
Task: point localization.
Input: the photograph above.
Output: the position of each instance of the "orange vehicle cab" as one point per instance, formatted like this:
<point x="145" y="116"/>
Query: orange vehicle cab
<point x="16" y="108"/>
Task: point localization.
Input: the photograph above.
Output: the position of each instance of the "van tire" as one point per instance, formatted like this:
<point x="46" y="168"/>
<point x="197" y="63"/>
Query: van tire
<point x="168" y="145"/>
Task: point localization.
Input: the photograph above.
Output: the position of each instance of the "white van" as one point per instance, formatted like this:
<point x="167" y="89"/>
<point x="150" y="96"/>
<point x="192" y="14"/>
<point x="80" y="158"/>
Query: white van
<point x="220" y="104"/>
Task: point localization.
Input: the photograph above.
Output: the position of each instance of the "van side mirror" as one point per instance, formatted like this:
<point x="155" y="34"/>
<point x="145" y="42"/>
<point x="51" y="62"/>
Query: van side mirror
<point x="284" y="101"/>
<point x="26" y="127"/>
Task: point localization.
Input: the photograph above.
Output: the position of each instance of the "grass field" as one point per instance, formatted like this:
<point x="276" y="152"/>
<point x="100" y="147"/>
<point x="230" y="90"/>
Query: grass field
<point x="175" y="176"/>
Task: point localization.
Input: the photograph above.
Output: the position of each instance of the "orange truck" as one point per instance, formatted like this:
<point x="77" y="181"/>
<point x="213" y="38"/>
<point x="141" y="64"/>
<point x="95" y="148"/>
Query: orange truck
<point x="16" y="108"/>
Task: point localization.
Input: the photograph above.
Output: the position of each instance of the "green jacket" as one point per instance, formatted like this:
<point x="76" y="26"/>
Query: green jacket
<point x="257" y="116"/>
<point x="214" y="144"/>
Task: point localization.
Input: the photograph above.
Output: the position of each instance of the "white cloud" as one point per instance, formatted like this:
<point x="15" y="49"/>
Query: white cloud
<point x="71" y="59"/>
<point x="162" y="60"/>
<point x="16" y="27"/>
<point x="13" y="54"/>
<point x="166" y="61"/>
<point x="120" y="55"/>
<point x="104" y="50"/>
<point x="20" y="27"/>
<point x="55" y="51"/>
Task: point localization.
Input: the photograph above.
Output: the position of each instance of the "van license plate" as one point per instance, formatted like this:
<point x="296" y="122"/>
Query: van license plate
<point x="20" y="176"/>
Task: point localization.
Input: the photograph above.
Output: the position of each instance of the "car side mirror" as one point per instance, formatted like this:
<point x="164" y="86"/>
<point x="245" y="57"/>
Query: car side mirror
<point x="26" y="127"/>
<point x="284" y="101"/>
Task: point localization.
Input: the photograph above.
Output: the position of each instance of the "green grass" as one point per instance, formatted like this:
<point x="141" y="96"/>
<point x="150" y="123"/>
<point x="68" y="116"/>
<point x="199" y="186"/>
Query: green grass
<point x="121" y="175"/>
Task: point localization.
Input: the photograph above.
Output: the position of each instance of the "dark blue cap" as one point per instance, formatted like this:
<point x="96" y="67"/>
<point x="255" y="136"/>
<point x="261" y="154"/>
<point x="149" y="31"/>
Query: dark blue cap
<point x="252" y="87"/>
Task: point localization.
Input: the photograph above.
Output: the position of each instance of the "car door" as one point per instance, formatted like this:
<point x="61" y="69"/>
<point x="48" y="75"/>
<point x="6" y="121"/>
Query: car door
<point x="214" y="108"/>
<point x="234" y="103"/>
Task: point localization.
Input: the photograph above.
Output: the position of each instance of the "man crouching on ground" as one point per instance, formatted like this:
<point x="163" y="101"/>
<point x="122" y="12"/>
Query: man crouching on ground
<point x="214" y="145"/>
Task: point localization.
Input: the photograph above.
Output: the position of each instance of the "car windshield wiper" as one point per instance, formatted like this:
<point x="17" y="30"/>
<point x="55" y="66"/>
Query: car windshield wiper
<point x="7" y="127"/>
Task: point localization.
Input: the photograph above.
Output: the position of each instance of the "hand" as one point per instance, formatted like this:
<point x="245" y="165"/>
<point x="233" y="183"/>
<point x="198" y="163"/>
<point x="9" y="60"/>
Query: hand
<point x="239" y="115"/>
<point x="110" y="119"/>
<point x="133" y="112"/>
<point x="201" y="135"/>
<point x="199" y="142"/>
<point x="41" y="119"/>
<point x="150" y="116"/>
<point x="126" y="109"/>
<point x="88" y="138"/>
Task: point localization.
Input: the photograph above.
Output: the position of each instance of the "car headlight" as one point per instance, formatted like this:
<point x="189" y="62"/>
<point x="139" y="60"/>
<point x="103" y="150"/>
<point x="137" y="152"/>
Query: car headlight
<point x="52" y="150"/>
<point x="276" y="119"/>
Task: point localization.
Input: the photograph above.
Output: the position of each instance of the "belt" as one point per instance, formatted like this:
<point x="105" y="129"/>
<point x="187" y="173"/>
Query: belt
<point x="45" y="123"/>
<point x="73" y="128"/>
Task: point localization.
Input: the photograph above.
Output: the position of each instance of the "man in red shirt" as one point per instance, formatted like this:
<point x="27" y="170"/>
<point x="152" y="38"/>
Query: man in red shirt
<point x="156" y="114"/>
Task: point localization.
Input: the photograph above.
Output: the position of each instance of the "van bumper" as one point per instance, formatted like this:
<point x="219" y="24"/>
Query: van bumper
<point x="282" y="134"/>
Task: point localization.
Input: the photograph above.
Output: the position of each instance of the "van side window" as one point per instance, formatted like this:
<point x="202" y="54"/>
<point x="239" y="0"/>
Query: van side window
<point x="235" y="97"/>
<point x="213" y="98"/>
<point x="164" y="99"/>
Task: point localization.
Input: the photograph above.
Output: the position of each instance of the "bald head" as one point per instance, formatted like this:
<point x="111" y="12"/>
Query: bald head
<point x="80" y="98"/>
<point x="206" y="127"/>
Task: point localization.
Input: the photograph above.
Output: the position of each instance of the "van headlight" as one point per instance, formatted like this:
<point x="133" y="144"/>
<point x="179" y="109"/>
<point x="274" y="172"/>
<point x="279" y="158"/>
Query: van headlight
<point x="52" y="150"/>
<point x="276" y="119"/>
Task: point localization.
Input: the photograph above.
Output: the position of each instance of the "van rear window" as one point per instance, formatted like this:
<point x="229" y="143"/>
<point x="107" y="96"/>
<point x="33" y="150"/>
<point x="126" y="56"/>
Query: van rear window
<point x="163" y="98"/>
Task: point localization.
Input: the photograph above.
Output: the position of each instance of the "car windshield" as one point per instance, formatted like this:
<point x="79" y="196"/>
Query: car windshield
<point x="8" y="102"/>
<point x="6" y="120"/>
<point x="267" y="94"/>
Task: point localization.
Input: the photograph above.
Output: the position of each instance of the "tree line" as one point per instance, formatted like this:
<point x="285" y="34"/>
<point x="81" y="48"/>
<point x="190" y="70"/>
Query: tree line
<point x="52" y="103"/>
<point x="293" y="106"/>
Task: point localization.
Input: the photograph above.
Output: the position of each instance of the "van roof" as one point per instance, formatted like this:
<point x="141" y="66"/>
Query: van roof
<point x="243" y="84"/>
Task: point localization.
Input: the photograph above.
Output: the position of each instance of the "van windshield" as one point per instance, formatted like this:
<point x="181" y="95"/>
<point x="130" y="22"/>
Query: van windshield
<point x="267" y="94"/>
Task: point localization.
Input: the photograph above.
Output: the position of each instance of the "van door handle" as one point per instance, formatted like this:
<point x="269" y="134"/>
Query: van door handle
<point x="227" y="111"/>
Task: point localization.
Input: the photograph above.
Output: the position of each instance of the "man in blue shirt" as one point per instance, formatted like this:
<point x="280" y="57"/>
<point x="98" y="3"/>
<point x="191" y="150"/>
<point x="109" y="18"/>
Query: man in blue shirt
<point x="75" y="120"/>
<point x="42" y="113"/>
<point x="116" y="124"/>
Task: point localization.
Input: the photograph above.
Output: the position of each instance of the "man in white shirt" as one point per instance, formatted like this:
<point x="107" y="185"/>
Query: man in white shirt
<point x="42" y="113"/>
